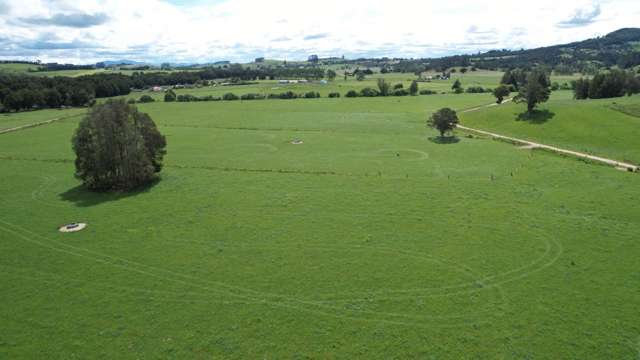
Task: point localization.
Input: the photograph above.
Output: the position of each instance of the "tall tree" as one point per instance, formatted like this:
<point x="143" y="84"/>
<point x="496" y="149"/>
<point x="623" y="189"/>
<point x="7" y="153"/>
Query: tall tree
<point x="500" y="92"/>
<point x="457" y="85"/>
<point x="536" y="90"/>
<point x="514" y="77"/>
<point x="117" y="148"/>
<point x="413" y="88"/>
<point x="581" y="89"/>
<point x="331" y="75"/>
<point x="443" y="120"/>
<point x="633" y="85"/>
<point x="383" y="87"/>
<point x="169" y="96"/>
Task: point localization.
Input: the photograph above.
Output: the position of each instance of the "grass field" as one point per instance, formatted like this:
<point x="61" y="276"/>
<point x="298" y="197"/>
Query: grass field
<point x="603" y="127"/>
<point x="628" y="108"/>
<point x="18" y="68"/>
<point x="10" y="121"/>
<point x="370" y="240"/>
<point x="485" y="79"/>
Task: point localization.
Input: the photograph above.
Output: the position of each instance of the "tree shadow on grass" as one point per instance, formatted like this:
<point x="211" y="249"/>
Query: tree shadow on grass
<point x="536" y="116"/>
<point x="443" y="140"/>
<point x="83" y="197"/>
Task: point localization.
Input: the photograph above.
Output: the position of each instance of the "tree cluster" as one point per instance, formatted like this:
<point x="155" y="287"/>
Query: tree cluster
<point x="61" y="67"/>
<point x="117" y="148"/>
<point x="190" y="98"/>
<point x="457" y="87"/>
<point x="21" y="92"/>
<point x="611" y="84"/>
<point x="444" y="120"/>
<point x="535" y="89"/>
<point x="501" y="92"/>
<point x="477" y="90"/>
<point x="385" y="89"/>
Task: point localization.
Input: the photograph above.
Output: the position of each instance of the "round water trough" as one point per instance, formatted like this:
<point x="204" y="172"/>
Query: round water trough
<point x="73" y="227"/>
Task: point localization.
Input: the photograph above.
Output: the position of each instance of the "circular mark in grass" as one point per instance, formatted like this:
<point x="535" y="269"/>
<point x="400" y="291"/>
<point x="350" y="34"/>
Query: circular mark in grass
<point x="404" y="154"/>
<point x="317" y="272"/>
<point x="378" y="296"/>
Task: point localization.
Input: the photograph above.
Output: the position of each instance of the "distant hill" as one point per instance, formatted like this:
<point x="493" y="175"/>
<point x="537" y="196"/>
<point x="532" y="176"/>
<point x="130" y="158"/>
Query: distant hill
<point x="121" y="62"/>
<point x="620" y="48"/>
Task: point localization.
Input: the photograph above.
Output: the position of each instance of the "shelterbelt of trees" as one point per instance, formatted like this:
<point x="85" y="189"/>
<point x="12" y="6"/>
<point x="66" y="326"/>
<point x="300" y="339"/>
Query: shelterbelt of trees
<point x="606" y="84"/>
<point x="23" y="92"/>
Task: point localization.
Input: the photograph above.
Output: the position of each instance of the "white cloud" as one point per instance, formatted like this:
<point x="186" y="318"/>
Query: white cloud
<point x="583" y="16"/>
<point x="154" y="30"/>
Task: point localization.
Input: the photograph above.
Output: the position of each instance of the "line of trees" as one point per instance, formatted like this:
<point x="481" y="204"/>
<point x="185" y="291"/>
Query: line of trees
<point x="23" y="92"/>
<point x="142" y="80"/>
<point x="20" y="92"/>
<point x="170" y="95"/>
<point x="60" y="67"/>
<point x="614" y="83"/>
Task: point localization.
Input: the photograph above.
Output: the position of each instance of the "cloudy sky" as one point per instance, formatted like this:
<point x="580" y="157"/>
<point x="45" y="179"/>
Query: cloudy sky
<point x="87" y="31"/>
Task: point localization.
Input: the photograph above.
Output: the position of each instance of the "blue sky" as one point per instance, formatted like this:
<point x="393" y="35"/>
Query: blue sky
<point x="201" y="31"/>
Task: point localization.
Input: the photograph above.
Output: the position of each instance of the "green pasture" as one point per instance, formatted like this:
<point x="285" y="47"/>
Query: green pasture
<point x="371" y="239"/>
<point x="13" y="120"/>
<point x="485" y="79"/>
<point x="605" y="127"/>
<point x="16" y="67"/>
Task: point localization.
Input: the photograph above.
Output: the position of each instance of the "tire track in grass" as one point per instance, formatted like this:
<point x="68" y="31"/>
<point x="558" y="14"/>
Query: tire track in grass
<point x="46" y="122"/>
<point x="553" y="251"/>
<point x="367" y="295"/>
<point x="289" y="303"/>
<point x="264" y="297"/>
<point x="525" y="270"/>
<point x="38" y="193"/>
<point x="95" y="256"/>
<point x="465" y="288"/>
<point x="267" y="302"/>
<point x="115" y="289"/>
